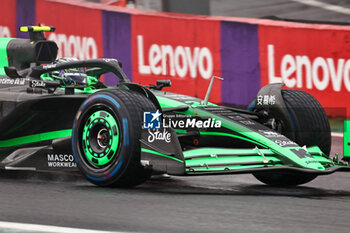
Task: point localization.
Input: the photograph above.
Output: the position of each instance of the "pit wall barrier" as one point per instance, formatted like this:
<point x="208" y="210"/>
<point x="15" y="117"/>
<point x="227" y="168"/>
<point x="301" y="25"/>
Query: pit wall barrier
<point x="189" y="49"/>
<point x="8" y="18"/>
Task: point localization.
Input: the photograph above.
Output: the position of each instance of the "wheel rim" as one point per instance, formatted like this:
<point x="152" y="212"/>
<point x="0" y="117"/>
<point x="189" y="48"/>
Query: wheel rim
<point x="100" y="138"/>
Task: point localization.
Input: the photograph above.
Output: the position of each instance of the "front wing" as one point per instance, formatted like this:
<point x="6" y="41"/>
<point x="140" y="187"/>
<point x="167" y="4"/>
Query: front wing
<point x="168" y="157"/>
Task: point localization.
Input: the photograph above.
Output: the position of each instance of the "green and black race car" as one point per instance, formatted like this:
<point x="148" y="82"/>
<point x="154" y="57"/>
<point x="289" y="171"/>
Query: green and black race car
<point x="56" y="115"/>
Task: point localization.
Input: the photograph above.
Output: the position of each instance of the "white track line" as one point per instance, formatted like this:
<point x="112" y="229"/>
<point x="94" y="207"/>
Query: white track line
<point x="325" y="6"/>
<point x="337" y="135"/>
<point x="24" y="227"/>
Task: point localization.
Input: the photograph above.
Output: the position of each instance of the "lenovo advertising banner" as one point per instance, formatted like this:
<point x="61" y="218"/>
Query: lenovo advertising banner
<point x="78" y="29"/>
<point x="313" y="60"/>
<point x="185" y="50"/>
<point x="8" y="18"/>
<point x="189" y="50"/>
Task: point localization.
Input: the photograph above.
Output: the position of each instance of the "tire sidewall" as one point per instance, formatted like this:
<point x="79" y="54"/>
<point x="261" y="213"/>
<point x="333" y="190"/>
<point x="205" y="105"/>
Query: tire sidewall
<point x="112" y="104"/>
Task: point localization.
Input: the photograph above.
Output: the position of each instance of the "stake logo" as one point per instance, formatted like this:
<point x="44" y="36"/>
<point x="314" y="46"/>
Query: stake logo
<point x="37" y="83"/>
<point x="75" y="46"/>
<point x="180" y="61"/>
<point x="159" y="135"/>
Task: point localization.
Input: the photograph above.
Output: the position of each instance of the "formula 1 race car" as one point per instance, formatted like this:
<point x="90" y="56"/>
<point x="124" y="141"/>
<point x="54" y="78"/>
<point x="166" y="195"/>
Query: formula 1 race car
<point x="56" y="115"/>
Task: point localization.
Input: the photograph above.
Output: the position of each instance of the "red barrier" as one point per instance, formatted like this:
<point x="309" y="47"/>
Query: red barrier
<point x="114" y="3"/>
<point x="78" y="29"/>
<point x="314" y="60"/>
<point x="183" y="50"/>
<point x="8" y="18"/>
<point x="186" y="49"/>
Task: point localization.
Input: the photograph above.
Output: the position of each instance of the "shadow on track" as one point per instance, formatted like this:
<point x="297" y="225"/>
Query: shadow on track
<point x="40" y="176"/>
<point x="176" y="186"/>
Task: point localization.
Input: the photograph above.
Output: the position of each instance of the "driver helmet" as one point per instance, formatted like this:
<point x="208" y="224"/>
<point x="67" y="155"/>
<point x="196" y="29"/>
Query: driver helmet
<point x="71" y="76"/>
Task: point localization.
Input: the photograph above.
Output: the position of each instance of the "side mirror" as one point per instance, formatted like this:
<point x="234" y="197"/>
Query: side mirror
<point x="12" y="72"/>
<point x="163" y="83"/>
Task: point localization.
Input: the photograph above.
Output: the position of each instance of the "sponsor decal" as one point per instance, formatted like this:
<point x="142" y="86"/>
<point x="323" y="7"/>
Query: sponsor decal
<point x="61" y="161"/>
<point x="179" y="97"/>
<point x="12" y="81"/>
<point x="5" y="31"/>
<point x="247" y="122"/>
<point x="151" y="120"/>
<point x="81" y="47"/>
<point x="278" y="138"/>
<point x="301" y="153"/>
<point x="37" y="83"/>
<point x="174" y="61"/>
<point x="190" y="122"/>
<point x="285" y="143"/>
<point x="157" y="135"/>
<point x="49" y="66"/>
<point x="265" y="99"/>
<point x="311" y="161"/>
<point x="236" y="117"/>
<point x="110" y="60"/>
<point x="269" y="134"/>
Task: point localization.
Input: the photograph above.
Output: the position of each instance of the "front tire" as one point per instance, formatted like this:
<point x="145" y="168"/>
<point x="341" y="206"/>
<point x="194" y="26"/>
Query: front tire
<point x="106" y="134"/>
<point x="310" y="128"/>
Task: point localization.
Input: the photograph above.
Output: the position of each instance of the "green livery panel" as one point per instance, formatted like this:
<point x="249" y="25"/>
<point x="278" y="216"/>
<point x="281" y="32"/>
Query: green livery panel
<point x="3" y="55"/>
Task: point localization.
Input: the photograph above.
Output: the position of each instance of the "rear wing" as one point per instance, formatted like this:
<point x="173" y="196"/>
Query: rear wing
<point x="21" y="53"/>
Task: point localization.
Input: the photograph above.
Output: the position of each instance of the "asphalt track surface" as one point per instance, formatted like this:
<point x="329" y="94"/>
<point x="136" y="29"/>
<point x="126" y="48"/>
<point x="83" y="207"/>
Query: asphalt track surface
<point x="236" y="203"/>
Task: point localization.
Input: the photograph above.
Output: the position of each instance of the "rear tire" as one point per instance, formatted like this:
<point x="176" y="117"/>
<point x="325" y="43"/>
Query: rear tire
<point x="106" y="134"/>
<point x="310" y="128"/>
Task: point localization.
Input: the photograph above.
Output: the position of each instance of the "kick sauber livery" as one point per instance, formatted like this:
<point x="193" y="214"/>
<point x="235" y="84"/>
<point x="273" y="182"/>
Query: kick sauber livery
<point x="56" y="115"/>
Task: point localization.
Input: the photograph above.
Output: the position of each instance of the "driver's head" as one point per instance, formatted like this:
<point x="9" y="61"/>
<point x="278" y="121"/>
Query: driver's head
<point x="71" y="76"/>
